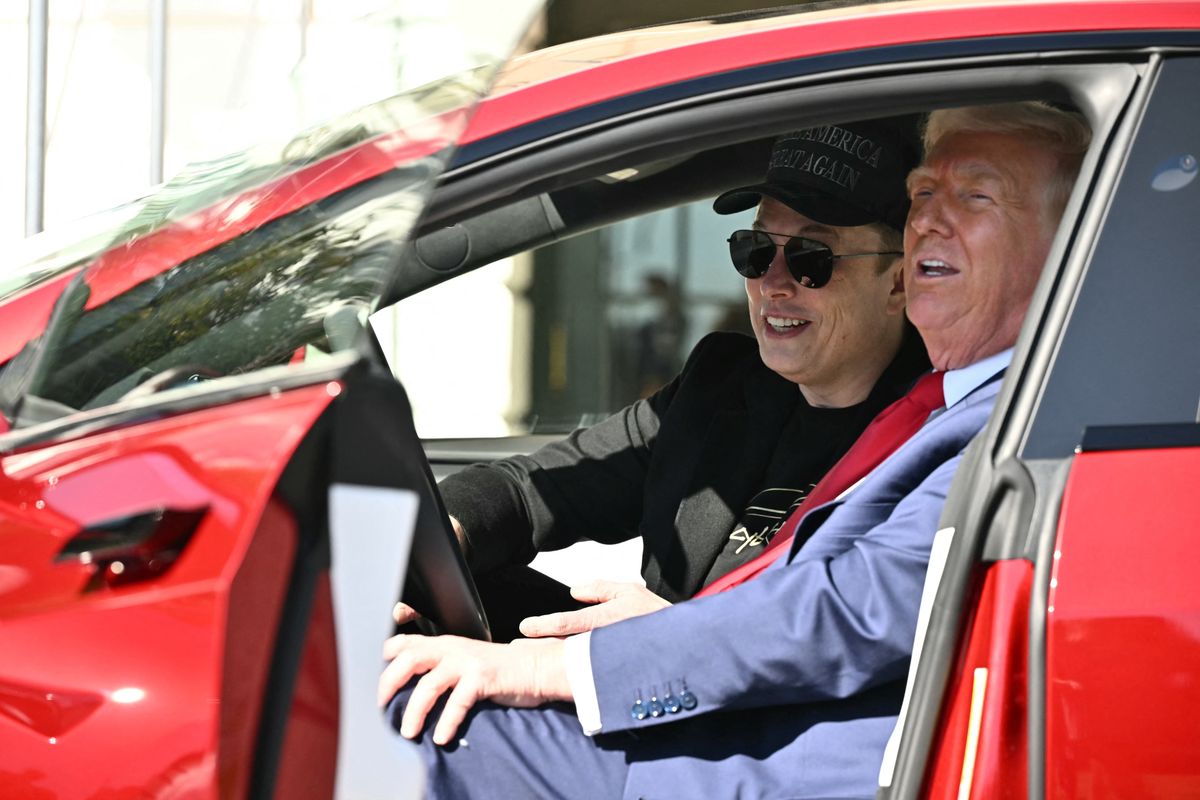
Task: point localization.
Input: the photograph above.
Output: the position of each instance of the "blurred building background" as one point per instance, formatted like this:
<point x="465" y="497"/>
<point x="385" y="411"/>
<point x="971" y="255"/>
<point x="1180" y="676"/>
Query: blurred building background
<point x="233" y="71"/>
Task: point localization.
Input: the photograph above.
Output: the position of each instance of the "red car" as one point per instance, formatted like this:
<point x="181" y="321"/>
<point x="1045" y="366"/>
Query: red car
<point x="210" y="478"/>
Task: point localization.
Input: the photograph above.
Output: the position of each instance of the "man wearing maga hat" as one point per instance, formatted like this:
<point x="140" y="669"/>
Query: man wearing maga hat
<point x="787" y="685"/>
<point x="707" y="468"/>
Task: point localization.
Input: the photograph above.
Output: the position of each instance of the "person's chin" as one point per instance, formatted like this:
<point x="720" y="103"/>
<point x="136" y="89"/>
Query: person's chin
<point x="929" y="312"/>
<point x="783" y="360"/>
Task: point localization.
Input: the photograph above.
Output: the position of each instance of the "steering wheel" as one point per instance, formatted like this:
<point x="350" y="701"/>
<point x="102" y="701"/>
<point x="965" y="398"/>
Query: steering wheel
<point x="170" y="377"/>
<point x="375" y="444"/>
<point x="439" y="584"/>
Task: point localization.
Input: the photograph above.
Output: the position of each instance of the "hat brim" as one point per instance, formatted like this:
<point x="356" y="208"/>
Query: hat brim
<point x="817" y="206"/>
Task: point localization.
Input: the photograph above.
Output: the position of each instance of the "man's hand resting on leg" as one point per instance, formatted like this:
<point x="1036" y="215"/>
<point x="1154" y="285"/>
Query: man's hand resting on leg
<point x="521" y="674"/>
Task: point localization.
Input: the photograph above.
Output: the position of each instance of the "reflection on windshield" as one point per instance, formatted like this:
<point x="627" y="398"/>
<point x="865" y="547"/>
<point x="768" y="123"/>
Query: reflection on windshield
<point x="40" y="258"/>
<point x="223" y="180"/>
<point x="243" y="262"/>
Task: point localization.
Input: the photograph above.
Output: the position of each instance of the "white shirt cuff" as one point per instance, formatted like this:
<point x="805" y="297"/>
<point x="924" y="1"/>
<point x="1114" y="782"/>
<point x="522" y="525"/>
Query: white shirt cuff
<point x="577" y="660"/>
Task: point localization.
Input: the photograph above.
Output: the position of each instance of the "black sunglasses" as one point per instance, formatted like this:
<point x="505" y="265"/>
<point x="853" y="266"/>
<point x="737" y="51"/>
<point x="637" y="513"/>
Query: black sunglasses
<point x="810" y="262"/>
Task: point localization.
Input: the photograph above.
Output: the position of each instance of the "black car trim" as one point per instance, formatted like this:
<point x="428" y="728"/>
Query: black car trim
<point x="473" y="152"/>
<point x="1050" y="477"/>
<point x="376" y="445"/>
<point x="1097" y="438"/>
<point x="470" y="451"/>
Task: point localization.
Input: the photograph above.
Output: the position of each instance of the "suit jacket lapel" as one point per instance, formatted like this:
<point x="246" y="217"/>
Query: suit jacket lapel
<point x="727" y="469"/>
<point x="818" y="515"/>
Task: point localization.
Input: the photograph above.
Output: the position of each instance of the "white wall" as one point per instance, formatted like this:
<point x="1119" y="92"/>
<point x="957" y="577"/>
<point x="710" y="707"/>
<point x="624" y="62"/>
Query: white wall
<point x="235" y="77"/>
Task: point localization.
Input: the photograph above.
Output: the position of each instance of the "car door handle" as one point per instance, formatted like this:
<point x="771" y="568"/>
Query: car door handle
<point x="133" y="548"/>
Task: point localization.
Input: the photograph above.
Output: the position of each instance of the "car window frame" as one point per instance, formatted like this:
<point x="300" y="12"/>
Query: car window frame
<point x="726" y="117"/>
<point x="1099" y="82"/>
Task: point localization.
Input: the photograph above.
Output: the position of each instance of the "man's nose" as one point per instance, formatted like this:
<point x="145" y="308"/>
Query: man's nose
<point x="777" y="281"/>
<point x="929" y="216"/>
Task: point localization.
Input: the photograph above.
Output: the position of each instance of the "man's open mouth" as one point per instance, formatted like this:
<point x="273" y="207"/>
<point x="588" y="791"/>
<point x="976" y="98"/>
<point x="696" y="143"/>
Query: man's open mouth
<point x="785" y="324"/>
<point x="935" y="267"/>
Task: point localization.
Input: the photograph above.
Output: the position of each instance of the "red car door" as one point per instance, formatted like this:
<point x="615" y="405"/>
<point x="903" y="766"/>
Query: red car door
<point x="202" y="446"/>
<point x="1122" y="639"/>
<point x="148" y="572"/>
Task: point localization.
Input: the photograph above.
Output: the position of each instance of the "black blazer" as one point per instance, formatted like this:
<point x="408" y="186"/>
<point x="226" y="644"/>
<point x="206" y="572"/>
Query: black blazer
<point x="677" y="469"/>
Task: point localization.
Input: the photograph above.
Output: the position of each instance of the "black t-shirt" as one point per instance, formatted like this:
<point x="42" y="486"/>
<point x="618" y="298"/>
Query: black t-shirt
<point x="810" y="443"/>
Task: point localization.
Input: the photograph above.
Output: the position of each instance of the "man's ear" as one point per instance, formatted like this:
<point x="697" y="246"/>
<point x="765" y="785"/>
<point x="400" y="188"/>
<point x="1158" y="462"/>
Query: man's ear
<point x="897" y="299"/>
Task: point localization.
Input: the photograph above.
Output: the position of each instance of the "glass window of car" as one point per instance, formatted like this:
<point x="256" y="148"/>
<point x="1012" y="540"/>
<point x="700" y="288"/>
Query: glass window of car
<point x="561" y="336"/>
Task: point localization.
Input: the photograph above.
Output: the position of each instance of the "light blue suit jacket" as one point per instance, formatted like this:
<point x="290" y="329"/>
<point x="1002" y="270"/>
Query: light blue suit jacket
<point x="797" y="674"/>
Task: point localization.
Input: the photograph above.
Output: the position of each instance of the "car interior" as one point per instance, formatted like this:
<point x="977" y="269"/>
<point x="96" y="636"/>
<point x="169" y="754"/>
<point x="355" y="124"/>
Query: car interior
<point x="567" y="185"/>
<point x="495" y="206"/>
<point x="564" y="186"/>
<point x="579" y="181"/>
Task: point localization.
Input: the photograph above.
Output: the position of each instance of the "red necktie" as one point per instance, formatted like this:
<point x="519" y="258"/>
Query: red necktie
<point x="890" y="429"/>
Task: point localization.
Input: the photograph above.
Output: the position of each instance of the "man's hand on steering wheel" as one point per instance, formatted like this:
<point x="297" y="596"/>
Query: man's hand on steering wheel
<point x="403" y="613"/>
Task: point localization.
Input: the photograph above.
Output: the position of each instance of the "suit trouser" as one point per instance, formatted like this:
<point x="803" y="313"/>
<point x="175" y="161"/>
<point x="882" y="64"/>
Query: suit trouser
<point x="772" y="752"/>
<point x="519" y="753"/>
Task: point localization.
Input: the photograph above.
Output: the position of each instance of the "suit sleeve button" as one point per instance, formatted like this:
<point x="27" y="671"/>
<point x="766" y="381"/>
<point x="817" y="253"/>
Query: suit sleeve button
<point x="671" y="701"/>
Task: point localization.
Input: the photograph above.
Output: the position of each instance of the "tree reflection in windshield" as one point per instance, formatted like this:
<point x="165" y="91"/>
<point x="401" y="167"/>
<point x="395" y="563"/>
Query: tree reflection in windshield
<point x="239" y="262"/>
<point x="246" y="304"/>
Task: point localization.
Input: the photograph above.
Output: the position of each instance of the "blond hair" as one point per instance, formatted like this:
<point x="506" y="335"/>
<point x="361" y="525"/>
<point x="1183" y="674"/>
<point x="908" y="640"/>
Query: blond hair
<point x="1063" y="132"/>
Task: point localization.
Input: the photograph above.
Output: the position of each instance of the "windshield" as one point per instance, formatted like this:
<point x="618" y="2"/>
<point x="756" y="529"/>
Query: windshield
<point x="271" y="256"/>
